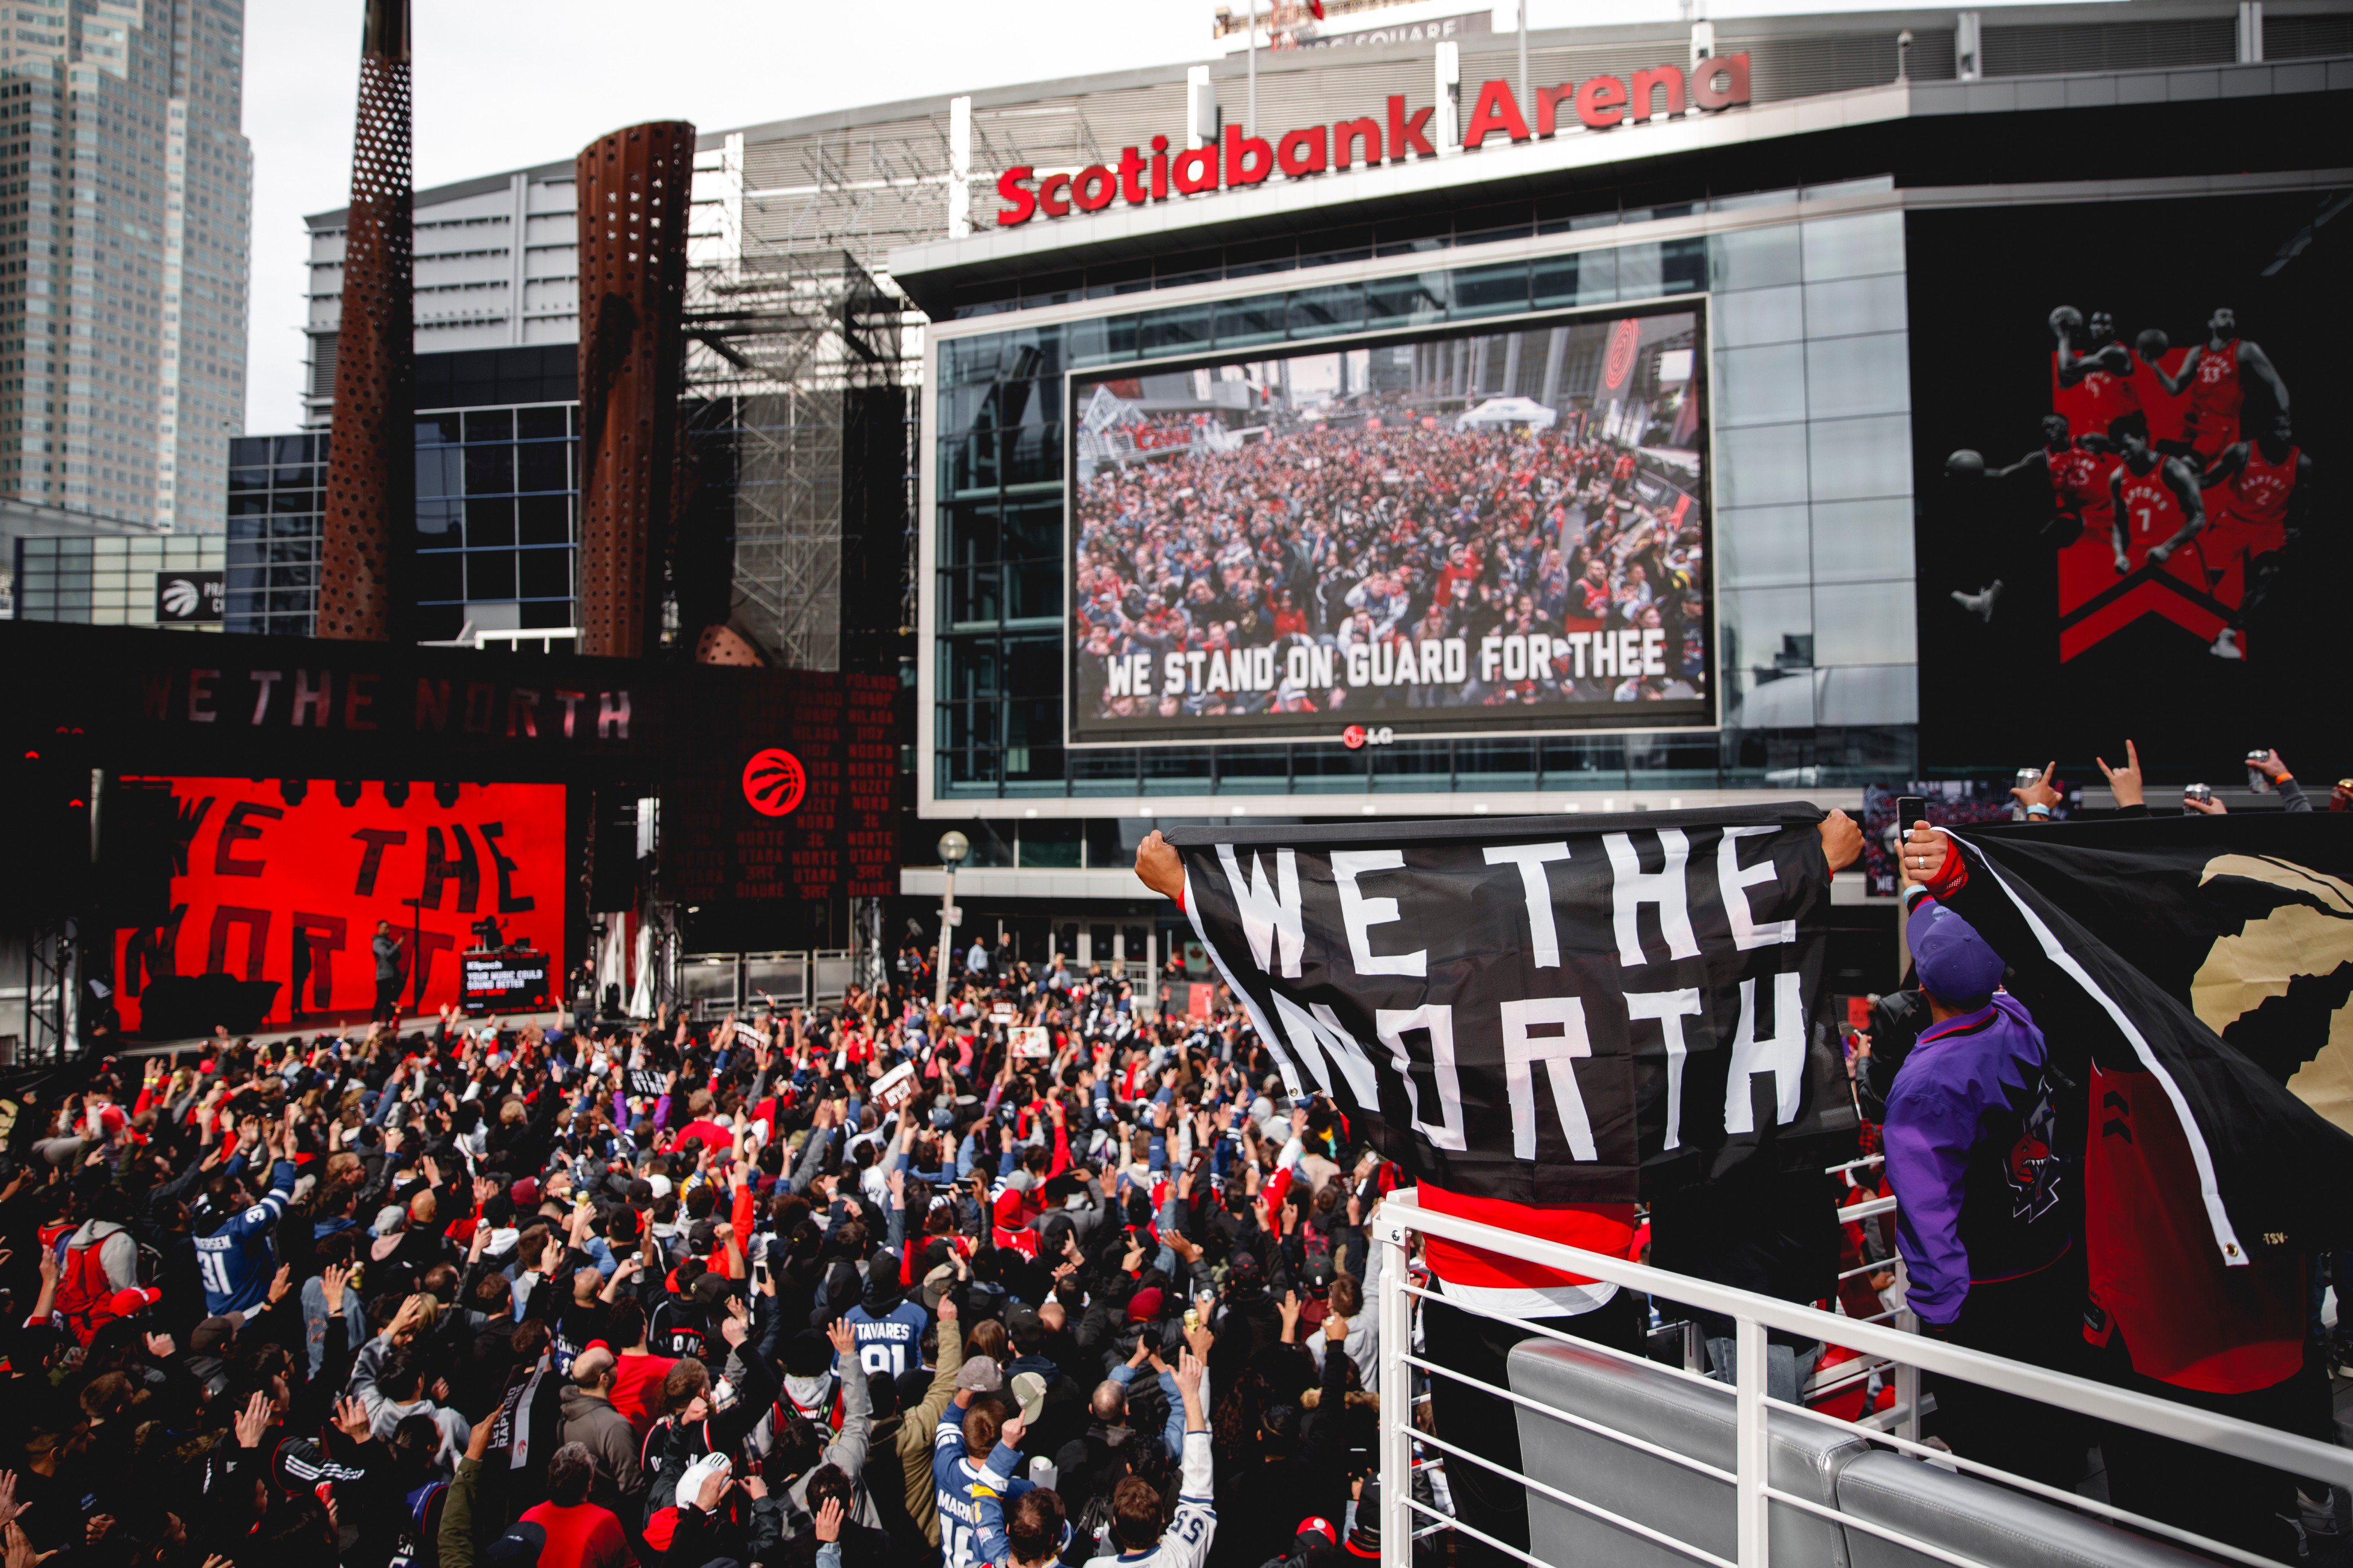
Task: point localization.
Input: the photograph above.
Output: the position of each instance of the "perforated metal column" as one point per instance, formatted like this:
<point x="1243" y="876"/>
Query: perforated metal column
<point x="371" y="462"/>
<point x="634" y="189"/>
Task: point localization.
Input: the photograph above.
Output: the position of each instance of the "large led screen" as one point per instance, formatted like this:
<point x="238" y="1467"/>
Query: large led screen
<point x="1500" y="527"/>
<point x="278" y="885"/>
<point x="2124" y="418"/>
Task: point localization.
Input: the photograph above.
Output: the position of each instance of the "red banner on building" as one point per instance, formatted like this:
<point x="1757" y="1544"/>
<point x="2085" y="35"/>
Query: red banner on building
<point x="278" y="887"/>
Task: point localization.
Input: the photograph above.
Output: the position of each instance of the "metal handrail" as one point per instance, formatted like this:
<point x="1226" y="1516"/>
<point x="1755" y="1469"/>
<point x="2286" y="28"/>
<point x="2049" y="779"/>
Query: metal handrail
<point x="1401" y="1216"/>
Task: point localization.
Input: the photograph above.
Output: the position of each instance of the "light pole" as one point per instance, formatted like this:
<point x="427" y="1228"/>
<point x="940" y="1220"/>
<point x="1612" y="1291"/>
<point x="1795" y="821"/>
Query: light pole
<point x="953" y="848"/>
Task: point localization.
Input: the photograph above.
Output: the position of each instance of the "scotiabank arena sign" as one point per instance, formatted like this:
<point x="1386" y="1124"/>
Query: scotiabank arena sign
<point x="1597" y="103"/>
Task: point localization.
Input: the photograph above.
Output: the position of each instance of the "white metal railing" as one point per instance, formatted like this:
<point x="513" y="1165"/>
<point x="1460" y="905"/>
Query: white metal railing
<point x="1405" y="1518"/>
<point x="516" y="640"/>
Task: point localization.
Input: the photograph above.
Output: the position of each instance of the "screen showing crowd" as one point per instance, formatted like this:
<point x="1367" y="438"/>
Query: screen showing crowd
<point x="1503" y="528"/>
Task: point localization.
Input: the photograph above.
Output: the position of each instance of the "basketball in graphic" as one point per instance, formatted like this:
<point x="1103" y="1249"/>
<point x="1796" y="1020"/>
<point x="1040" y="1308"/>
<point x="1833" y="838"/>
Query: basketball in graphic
<point x="774" y="781"/>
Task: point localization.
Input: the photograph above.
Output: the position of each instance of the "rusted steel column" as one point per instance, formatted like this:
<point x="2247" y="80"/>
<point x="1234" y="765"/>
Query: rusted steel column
<point x="371" y="458"/>
<point x="633" y="188"/>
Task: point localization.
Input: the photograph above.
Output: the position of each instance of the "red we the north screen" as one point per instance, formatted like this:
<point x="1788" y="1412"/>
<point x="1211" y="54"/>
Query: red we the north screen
<point x="280" y="885"/>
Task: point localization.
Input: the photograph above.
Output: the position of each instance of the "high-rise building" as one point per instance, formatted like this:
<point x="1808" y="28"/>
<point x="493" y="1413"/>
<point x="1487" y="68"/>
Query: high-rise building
<point x="127" y="187"/>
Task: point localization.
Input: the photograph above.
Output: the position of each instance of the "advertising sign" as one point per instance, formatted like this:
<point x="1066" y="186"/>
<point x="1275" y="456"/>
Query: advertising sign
<point x="513" y="980"/>
<point x="1494" y="528"/>
<point x="2119" y="514"/>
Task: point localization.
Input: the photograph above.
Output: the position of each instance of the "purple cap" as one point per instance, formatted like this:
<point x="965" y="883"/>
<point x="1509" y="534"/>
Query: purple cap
<point x="1953" y="961"/>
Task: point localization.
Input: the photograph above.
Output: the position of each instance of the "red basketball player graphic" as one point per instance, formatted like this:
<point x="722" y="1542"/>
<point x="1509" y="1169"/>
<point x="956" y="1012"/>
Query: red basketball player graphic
<point x="2214" y="374"/>
<point x="2091" y="372"/>
<point x="2255" y="496"/>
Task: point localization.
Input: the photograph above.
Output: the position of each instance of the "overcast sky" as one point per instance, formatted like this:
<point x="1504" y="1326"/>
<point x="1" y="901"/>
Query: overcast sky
<point x="502" y="84"/>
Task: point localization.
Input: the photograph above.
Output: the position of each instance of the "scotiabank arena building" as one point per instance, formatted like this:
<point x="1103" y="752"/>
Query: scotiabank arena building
<point x="1687" y="415"/>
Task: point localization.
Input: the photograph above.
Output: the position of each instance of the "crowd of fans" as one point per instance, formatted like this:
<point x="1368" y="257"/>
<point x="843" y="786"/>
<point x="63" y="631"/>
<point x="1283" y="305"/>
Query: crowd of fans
<point x="889" y="1285"/>
<point x="686" y="1294"/>
<point x="1336" y="537"/>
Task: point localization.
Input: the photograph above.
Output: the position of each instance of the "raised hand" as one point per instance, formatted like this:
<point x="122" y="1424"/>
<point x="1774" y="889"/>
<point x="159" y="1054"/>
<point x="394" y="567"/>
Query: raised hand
<point x="2126" y="782"/>
<point x="331" y="1280"/>
<point x="845" y="1339"/>
<point x="352" y="1419"/>
<point x="2039" y="793"/>
<point x="253" y="1420"/>
<point x="828" y="1519"/>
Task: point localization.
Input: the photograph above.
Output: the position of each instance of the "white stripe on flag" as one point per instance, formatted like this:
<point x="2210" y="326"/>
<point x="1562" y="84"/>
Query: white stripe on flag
<point x="2209" y="1189"/>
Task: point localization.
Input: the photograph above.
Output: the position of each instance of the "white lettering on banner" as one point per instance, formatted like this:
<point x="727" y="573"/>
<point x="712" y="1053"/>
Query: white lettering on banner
<point x="1665" y="887"/>
<point x="1393" y="1024"/>
<point x="1360" y="665"/>
<point x="1783" y="1055"/>
<point x="1268" y="913"/>
<point x="1532" y="858"/>
<point x="1735" y="880"/>
<point x="1316" y="1034"/>
<point x="1557" y="1053"/>
<point x="1172" y="681"/>
<point x="1669" y="1008"/>
<point x="1359" y="914"/>
<point x="1490" y="656"/>
<point x="1605" y="653"/>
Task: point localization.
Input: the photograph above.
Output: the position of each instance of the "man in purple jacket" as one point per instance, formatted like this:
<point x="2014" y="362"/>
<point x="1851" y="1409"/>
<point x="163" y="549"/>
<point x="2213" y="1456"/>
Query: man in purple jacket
<point x="1990" y="1198"/>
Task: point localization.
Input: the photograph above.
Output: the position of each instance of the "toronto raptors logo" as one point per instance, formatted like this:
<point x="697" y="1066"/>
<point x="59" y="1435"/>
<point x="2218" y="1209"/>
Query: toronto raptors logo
<point x="774" y="781"/>
<point x="1623" y="340"/>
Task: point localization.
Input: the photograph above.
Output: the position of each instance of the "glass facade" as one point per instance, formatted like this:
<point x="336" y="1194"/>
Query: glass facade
<point x="496" y="523"/>
<point x="496" y="519"/>
<point x="274" y="484"/>
<point x="1811" y="498"/>
<point x="105" y="582"/>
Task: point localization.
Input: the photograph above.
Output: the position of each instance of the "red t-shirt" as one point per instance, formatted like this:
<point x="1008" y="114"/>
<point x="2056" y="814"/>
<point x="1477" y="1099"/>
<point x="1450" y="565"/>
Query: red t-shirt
<point x="634" y="1376"/>
<point x="581" y="1536"/>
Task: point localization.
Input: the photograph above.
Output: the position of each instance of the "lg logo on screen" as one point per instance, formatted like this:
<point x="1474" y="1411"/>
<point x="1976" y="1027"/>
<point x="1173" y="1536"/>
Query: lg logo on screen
<point x="774" y="781"/>
<point x="1355" y="737"/>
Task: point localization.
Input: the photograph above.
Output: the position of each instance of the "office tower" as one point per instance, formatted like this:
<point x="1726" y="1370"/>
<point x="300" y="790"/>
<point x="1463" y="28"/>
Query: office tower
<point x="125" y="192"/>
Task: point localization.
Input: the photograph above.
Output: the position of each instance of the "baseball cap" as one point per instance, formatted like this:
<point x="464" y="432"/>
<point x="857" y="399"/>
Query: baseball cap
<point x="1365" y="1535"/>
<point x="519" y="1548"/>
<point x="1954" y="962"/>
<point x="979" y="1375"/>
<point x="701" y="1237"/>
<point x="137" y="1299"/>
<point x="1144" y="1305"/>
<point x="690" y="1485"/>
<point x="1030" y="1394"/>
<point x="525" y="1192"/>
<point x="1316" y="1525"/>
<point x="212" y="1336"/>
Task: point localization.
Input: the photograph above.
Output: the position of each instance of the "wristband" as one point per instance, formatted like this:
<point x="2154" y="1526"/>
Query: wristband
<point x="2039" y="812"/>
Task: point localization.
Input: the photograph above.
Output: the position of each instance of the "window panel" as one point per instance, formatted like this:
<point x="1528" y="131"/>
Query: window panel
<point x="1758" y="316"/>
<point x="1852" y="305"/>
<point x="1590" y="278"/>
<point x="1864" y="622"/>
<point x="1848" y="376"/>
<point x="545" y="574"/>
<point x="489" y="470"/>
<point x="1762" y="546"/>
<point x="1854" y="246"/>
<point x="1760" y="385"/>
<point x="544" y="466"/>
<point x="1762" y="466"/>
<point x="490" y="522"/>
<point x="543" y="519"/>
<point x="1863" y="541"/>
<point x="1754" y="258"/>
<point x="490" y="574"/>
<point x="1852" y="458"/>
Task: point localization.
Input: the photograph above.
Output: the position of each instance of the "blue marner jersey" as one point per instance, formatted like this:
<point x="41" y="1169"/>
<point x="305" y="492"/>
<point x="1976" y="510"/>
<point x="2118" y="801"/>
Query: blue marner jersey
<point x="962" y="1486"/>
<point x="235" y="1261"/>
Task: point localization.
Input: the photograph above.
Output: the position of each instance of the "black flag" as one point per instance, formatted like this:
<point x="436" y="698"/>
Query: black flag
<point x="2196" y="971"/>
<point x="1562" y="1009"/>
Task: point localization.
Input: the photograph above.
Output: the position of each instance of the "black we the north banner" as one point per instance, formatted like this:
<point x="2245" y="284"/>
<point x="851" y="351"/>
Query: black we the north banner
<point x="1544" y="1009"/>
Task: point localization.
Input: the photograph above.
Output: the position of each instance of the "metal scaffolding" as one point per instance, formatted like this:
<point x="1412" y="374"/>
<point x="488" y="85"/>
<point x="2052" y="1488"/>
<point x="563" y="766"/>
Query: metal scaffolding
<point x="795" y="370"/>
